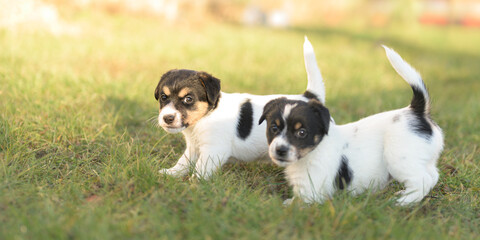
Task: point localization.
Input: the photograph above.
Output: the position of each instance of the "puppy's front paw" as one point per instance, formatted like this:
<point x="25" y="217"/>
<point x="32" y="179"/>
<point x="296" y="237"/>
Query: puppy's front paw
<point x="401" y="192"/>
<point x="170" y="171"/>
<point x="408" y="200"/>
<point x="288" y="201"/>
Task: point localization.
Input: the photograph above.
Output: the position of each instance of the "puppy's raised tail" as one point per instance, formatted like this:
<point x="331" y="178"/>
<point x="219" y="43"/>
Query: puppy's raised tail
<point x="315" y="81"/>
<point x="420" y="103"/>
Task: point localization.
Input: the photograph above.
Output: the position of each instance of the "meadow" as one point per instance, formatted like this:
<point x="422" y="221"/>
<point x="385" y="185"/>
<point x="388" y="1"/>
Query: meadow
<point x="80" y="153"/>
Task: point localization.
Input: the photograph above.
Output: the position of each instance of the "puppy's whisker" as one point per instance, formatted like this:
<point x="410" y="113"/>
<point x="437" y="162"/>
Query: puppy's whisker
<point x="153" y="120"/>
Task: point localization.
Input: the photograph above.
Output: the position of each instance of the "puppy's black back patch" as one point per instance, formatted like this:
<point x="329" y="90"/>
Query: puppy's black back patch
<point x="344" y="174"/>
<point x="245" y="120"/>
<point x="420" y="124"/>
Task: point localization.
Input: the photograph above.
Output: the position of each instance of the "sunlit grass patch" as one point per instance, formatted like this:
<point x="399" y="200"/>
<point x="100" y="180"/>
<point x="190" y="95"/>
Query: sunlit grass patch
<point x="79" y="154"/>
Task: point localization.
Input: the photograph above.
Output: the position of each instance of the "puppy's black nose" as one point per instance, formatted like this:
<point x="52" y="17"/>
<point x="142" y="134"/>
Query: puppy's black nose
<point x="282" y="151"/>
<point x="169" y="118"/>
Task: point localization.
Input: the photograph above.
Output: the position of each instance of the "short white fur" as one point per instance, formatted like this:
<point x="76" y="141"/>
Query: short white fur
<point x="213" y="140"/>
<point x="378" y="148"/>
<point x="315" y="80"/>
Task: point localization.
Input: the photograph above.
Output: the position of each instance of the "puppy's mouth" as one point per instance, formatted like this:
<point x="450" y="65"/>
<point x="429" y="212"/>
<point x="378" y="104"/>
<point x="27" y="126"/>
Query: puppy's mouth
<point x="280" y="159"/>
<point x="172" y="130"/>
<point x="282" y="162"/>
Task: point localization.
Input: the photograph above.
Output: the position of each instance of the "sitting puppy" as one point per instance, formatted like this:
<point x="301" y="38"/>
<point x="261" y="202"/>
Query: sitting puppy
<point x="219" y="125"/>
<point x="321" y="157"/>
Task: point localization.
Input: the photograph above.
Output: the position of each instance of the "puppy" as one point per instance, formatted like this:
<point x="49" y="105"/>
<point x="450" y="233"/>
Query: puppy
<point x="321" y="157"/>
<point x="219" y="125"/>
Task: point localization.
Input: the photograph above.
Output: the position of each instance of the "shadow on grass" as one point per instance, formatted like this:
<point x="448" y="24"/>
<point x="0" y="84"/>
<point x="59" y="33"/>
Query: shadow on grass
<point x="261" y="175"/>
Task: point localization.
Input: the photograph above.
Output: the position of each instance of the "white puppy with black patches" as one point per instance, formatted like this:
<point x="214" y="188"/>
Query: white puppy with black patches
<point x="218" y="126"/>
<point x="321" y="157"/>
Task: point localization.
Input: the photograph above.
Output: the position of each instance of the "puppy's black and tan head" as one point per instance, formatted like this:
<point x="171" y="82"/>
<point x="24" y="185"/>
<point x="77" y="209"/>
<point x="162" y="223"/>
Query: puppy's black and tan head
<point x="294" y="128"/>
<point x="185" y="96"/>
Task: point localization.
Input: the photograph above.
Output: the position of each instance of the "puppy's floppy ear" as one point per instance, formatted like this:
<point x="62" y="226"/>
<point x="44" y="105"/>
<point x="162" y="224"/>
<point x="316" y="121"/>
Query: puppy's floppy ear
<point x="211" y="85"/>
<point x="157" y="92"/>
<point x="264" y="114"/>
<point x="157" y="89"/>
<point x="164" y="76"/>
<point x="270" y="106"/>
<point x="322" y="113"/>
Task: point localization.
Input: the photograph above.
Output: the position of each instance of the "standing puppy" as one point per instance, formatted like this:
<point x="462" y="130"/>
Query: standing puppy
<point x="321" y="157"/>
<point x="218" y="125"/>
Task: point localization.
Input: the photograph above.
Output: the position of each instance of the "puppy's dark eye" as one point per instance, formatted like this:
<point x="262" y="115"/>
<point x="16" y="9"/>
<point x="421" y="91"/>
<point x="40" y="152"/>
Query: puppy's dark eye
<point x="274" y="129"/>
<point x="301" y="133"/>
<point x="163" y="97"/>
<point x="187" y="100"/>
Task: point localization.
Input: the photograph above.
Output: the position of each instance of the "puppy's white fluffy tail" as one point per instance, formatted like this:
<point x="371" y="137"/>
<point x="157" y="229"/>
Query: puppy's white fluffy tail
<point x="315" y="81"/>
<point x="420" y="101"/>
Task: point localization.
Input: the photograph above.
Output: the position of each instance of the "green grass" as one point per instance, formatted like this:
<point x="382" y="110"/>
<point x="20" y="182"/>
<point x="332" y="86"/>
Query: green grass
<point x="79" y="155"/>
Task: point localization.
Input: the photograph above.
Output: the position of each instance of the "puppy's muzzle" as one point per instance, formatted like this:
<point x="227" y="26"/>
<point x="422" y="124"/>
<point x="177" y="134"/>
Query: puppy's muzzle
<point x="168" y="119"/>
<point x="281" y="151"/>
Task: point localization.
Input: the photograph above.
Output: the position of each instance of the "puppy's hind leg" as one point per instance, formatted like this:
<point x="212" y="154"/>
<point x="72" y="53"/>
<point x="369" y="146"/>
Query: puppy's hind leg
<point x="417" y="173"/>
<point x="416" y="188"/>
